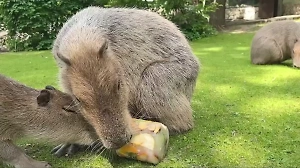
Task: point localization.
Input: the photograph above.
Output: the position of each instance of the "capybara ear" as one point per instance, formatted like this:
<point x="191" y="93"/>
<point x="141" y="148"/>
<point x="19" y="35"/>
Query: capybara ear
<point x="296" y="40"/>
<point x="103" y="48"/>
<point x="44" y="97"/>
<point x="49" y="87"/>
<point x="64" y="59"/>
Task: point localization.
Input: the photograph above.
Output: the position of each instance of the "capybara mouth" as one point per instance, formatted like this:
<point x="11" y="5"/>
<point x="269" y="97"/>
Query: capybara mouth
<point x="113" y="146"/>
<point x="296" y="66"/>
<point x="116" y="143"/>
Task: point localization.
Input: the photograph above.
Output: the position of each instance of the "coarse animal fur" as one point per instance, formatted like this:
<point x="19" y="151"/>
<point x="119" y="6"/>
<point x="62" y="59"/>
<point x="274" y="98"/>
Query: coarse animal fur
<point x="47" y="115"/>
<point x="276" y="42"/>
<point x="121" y="63"/>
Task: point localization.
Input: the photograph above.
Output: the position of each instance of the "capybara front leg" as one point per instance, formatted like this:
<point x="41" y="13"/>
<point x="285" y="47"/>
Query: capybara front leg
<point x="66" y="149"/>
<point x="14" y="156"/>
<point x="72" y="149"/>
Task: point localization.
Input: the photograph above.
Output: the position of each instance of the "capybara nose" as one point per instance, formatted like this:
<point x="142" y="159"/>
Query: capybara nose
<point x="114" y="145"/>
<point x="296" y="66"/>
<point x="117" y="143"/>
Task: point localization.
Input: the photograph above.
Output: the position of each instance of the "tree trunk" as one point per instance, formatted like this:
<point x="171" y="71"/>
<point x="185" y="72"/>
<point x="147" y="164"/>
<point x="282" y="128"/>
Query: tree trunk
<point x="280" y="8"/>
<point x="217" y="18"/>
<point x="266" y="9"/>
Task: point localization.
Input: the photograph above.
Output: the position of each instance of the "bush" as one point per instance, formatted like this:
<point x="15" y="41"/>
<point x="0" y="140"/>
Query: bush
<point x="191" y="16"/>
<point x="33" y="24"/>
<point x="244" y="2"/>
<point x="129" y="3"/>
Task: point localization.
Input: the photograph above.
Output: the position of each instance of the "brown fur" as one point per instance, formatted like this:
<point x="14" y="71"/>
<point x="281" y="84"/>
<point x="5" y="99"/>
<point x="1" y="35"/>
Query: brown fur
<point x="274" y="43"/>
<point x="101" y="91"/>
<point x="47" y="115"/>
<point x="126" y="62"/>
<point x="296" y="54"/>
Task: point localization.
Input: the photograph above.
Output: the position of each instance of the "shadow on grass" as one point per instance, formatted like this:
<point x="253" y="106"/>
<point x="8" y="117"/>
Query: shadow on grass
<point x="246" y="114"/>
<point x="250" y="126"/>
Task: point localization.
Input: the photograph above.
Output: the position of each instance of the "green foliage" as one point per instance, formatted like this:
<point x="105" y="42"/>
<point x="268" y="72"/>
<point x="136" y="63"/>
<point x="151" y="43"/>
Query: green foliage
<point x="244" y="2"/>
<point x="190" y="16"/>
<point x="33" y="24"/>
<point x="129" y="3"/>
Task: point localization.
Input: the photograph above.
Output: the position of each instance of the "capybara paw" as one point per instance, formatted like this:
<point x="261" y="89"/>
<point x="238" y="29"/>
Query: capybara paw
<point x="47" y="165"/>
<point x="34" y="164"/>
<point x="67" y="149"/>
<point x="96" y="147"/>
<point x="41" y="164"/>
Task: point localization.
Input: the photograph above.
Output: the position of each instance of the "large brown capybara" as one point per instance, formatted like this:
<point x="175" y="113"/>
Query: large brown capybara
<point x="121" y="63"/>
<point x="47" y="115"/>
<point x="276" y="42"/>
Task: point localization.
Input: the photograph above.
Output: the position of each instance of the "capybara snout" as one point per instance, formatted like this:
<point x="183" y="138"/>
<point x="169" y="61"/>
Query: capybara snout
<point x="113" y="138"/>
<point x="111" y="142"/>
<point x="116" y="132"/>
<point x="296" y="54"/>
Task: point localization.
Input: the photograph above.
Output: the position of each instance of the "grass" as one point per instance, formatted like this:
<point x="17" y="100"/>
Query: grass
<point x="245" y="115"/>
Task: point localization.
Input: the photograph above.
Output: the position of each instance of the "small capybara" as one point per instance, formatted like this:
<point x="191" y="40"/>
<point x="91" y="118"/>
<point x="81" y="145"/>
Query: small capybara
<point x="47" y="115"/>
<point x="276" y="42"/>
<point x="121" y="63"/>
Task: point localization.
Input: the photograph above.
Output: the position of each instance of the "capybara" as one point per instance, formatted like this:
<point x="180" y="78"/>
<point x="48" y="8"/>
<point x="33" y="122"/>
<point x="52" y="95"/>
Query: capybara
<point x="47" y="115"/>
<point x="276" y="42"/>
<point x="121" y="63"/>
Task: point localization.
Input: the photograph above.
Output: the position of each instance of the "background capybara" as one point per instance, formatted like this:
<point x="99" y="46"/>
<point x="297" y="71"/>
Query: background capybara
<point x="276" y="42"/>
<point x="296" y="54"/>
<point x="45" y="115"/>
<point x="119" y="61"/>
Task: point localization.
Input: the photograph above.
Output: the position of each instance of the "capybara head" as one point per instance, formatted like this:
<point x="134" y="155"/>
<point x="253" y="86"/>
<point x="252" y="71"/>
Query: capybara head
<point x="296" y="54"/>
<point x="95" y="77"/>
<point x="61" y="118"/>
<point x="58" y="100"/>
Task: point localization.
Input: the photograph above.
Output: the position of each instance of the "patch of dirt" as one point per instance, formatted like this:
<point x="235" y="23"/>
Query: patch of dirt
<point x="246" y="28"/>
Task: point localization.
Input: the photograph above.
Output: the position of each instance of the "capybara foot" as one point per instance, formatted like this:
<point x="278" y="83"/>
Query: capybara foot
<point x="96" y="147"/>
<point x="37" y="164"/>
<point x="31" y="163"/>
<point x="14" y="156"/>
<point x="67" y="149"/>
<point x="71" y="149"/>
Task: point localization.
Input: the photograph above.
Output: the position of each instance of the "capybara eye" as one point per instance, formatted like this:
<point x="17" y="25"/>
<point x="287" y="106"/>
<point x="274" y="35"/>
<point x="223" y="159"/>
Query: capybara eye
<point x="119" y="85"/>
<point x="49" y="87"/>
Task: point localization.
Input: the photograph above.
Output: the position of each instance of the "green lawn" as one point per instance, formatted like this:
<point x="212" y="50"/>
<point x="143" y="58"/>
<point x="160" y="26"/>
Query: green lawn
<point x="246" y="115"/>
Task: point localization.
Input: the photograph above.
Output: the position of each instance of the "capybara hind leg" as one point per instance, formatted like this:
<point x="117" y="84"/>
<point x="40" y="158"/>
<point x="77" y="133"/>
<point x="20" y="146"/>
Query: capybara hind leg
<point x="176" y="113"/>
<point x="178" y="116"/>
<point x="266" y="52"/>
<point x="14" y="156"/>
<point x="161" y="103"/>
<point x="164" y="94"/>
